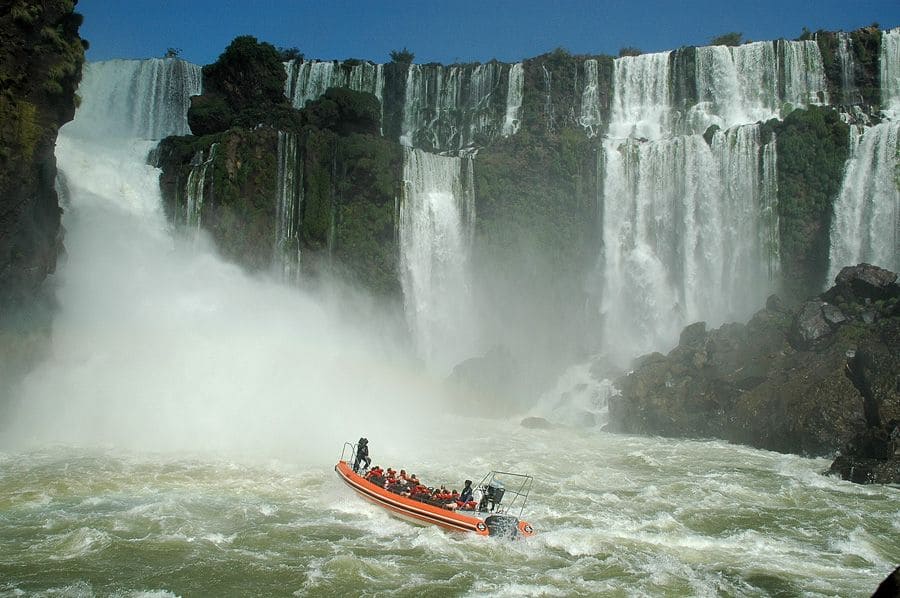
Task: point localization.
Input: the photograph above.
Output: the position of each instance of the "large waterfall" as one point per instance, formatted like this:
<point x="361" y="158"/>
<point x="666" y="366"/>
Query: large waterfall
<point x="145" y="99"/>
<point x="866" y="222"/>
<point x="160" y="344"/>
<point x="690" y="226"/>
<point x="436" y="223"/>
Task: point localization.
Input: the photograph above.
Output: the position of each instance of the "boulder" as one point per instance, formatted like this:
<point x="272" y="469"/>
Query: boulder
<point x="867" y="281"/>
<point x="810" y="326"/>
<point x="815" y="380"/>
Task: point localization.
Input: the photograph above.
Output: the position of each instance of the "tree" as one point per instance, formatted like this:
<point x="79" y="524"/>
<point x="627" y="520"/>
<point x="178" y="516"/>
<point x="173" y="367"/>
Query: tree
<point x="172" y="52"/>
<point x="248" y="74"/>
<point x="403" y="56"/>
<point x="732" y="38"/>
<point x="288" y="54"/>
<point x="630" y="51"/>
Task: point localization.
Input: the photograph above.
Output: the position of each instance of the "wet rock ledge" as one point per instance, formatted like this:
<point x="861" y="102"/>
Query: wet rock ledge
<point x="819" y="379"/>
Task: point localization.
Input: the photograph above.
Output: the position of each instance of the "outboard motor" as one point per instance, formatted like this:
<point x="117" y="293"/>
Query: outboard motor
<point x="503" y="526"/>
<point x="493" y="494"/>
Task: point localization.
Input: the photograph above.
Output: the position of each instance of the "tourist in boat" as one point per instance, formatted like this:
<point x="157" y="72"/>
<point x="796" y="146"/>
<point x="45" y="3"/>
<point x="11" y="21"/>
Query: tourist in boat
<point x="466" y="495"/>
<point x="362" y="455"/>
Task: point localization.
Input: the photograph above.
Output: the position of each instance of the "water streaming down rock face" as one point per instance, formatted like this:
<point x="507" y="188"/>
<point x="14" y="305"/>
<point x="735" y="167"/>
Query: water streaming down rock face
<point x="735" y="85"/>
<point x="866" y="222"/>
<point x="449" y="108"/>
<point x="308" y="80"/>
<point x="689" y="227"/>
<point x="514" y="94"/>
<point x="437" y="215"/>
<point x="849" y="92"/>
<point x="195" y="188"/>
<point x="804" y="73"/>
<point x="591" y="117"/>
<point x="137" y="98"/>
<point x="288" y="200"/>
<point x="890" y="73"/>
<point x="688" y="230"/>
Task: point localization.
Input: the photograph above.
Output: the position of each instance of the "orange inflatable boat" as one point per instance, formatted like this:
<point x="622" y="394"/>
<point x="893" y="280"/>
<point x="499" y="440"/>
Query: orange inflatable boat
<point x="500" y="494"/>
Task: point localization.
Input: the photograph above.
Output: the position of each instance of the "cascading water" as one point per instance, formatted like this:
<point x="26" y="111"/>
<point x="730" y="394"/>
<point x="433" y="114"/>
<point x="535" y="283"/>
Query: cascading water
<point x="437" y="215"/>
<point x="849" y="92"/>
<point x="308" y="80"/>
<point x="866" y="222"/>
<point x="156" y="93"/>
<point x="890" y="73"/>
<point x="195" y="187"/>
<point x="159" y="344"/>
<point x="514" y="93"/>
<point x="591" y="116"/>
<point x="450" y="108"/>
<point x="803" y="73"/>
<point x="735" y="85"/>
<point x="288" y="200"/>
<point x="689" y="227"/>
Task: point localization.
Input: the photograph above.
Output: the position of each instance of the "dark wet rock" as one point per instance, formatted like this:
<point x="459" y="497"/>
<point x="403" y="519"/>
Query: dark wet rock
<point x="866" y="280"/>
<point x="815" y="380"/>
<point x="536" y="423"/>
<point x="833" y="315"/>
<point x="774" y="303"/>
<point x="890" y="587"/>
<point x="810" y="326"/>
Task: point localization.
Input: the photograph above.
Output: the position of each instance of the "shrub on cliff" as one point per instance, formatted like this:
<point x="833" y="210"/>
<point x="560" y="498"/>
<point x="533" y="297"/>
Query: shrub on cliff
<point x="244" y="87"/>
<point x="344" y="111"/>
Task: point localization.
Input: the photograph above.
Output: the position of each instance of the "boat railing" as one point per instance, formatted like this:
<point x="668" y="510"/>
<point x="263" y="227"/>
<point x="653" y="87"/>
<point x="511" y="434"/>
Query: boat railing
<point x="348" y="453"/>
<point x="504" y="492"/>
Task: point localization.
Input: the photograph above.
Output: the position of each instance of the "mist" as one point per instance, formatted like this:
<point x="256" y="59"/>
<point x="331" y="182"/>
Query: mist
<point x="159" y="344"/>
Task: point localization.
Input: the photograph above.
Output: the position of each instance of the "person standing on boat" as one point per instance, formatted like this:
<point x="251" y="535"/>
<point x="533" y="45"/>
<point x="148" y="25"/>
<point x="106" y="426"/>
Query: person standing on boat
<point x="466" y="494"/>
<point x="362" y="455"/>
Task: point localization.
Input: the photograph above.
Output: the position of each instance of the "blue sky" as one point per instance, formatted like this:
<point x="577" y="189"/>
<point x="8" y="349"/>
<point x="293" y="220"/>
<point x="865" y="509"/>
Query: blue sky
<point x="453" y="31"/>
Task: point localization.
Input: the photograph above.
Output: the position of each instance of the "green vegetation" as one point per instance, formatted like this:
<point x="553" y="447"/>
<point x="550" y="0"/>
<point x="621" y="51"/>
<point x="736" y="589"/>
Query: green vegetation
<point x="812" y="149"/>
<point x="244" y="87"/>
<point x="629" y="51"/>
<point x="403" y="56"/>
<point x="732" y="38"/>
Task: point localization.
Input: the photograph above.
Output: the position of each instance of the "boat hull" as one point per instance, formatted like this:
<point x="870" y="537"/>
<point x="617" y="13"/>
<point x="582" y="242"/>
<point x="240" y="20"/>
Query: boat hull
<point x="416" y="511"/>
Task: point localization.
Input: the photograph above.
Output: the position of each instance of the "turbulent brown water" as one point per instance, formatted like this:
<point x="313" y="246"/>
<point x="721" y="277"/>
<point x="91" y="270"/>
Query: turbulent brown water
<point x="616" y="515"/>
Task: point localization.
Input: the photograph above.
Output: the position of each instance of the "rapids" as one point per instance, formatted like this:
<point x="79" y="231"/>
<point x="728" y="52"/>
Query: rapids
<point x="615" y="515"/>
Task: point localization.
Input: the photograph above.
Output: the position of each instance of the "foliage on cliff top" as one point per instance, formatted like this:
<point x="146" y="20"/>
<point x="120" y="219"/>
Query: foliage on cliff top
<point x="244" y="87"/>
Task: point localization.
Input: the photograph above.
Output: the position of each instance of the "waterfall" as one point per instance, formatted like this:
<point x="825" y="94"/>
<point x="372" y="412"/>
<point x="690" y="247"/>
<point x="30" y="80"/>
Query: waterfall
<point x="591" y="116"/>
<point x="514" y="95"/>
<point x="687" y="233"/>
<point x="866" y="223"/>
<point x="641" y="105"/>
<point x="288" y="199"/>
<point x="735" y="85"/>
<point x="849" y="92"/>
<point x="437" y="217"/>
<point x="145" y="99"/>
<point x="804" y="73"/>
<point x="890" y="72"/>
<point x="449" y="108"/>
<point x="308" y="80"/>
<point x="195" y="188"/>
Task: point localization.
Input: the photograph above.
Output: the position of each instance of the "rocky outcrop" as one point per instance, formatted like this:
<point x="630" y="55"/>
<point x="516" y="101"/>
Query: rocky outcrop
<point x="40" y="68"/>
<point x="815" y="380"/>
